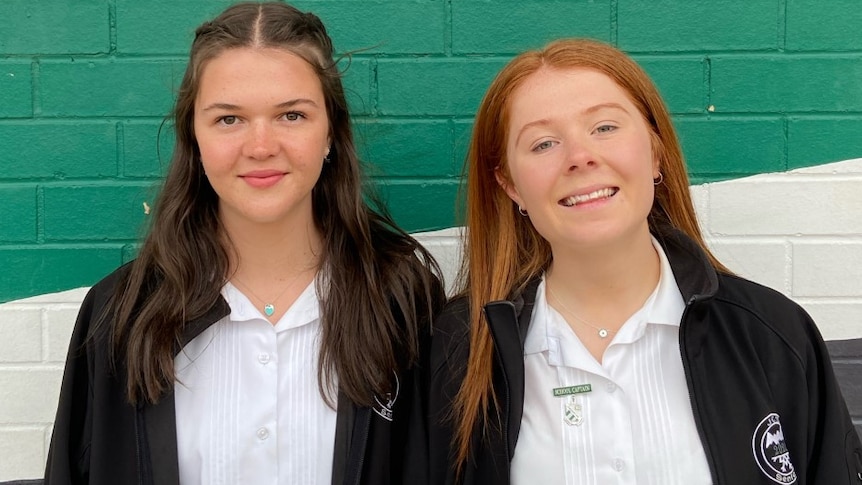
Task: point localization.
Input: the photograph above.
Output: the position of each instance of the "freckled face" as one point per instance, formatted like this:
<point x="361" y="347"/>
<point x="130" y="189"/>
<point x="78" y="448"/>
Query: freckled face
<point x="579" y="159"/>
<point x="261" y="126"/>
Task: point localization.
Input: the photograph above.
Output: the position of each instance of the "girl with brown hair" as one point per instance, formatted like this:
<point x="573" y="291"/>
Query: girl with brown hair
<point x="267" y="331"/>
<point x="597" y="340"/>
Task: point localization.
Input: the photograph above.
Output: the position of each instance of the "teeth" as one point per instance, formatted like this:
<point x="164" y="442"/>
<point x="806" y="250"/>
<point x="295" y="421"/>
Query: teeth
<point x="580" y="199"/>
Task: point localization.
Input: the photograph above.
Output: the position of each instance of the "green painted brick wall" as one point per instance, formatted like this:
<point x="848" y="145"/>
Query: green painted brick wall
<point x="825" y="26"/>
<point x="18" y="217"/>
<point x="58" y="149"/>
<point x="70" y="27"/>
<point x="33" y="269"/>
<point x="677" y="26"/>
<point x="760" y="85"/>
<point x="508" y="26"/>
<point x="15" y="89"/>
<point x="725" y="147"/>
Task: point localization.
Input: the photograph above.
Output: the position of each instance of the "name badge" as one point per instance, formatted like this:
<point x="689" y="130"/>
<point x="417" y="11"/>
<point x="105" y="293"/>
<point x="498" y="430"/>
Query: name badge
<point x="573" y="411"/>
<point x="571" y="390"/>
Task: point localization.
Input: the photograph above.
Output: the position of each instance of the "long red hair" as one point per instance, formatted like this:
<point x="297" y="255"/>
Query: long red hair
<point x="503" y="251"/>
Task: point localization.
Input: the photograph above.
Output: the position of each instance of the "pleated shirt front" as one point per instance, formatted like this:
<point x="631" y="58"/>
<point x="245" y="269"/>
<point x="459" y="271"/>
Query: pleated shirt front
<point x="626" y="420"/>
<point x="248" y="408"/>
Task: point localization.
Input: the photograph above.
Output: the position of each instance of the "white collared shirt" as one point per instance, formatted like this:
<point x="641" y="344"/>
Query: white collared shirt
<point x="635" y="426"/>
<point x="248" y="407"/>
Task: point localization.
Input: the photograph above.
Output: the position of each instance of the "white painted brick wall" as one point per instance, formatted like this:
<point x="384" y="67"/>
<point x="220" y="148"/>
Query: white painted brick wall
<point x="22" y="452"/>
<point x="34" y="337"/>
<point x="799" y="232"/>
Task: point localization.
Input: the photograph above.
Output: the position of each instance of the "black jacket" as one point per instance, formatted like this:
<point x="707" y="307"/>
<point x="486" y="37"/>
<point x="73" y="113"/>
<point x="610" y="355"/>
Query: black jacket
<point x="748" y="352"/>
<point x="99" y="438"/>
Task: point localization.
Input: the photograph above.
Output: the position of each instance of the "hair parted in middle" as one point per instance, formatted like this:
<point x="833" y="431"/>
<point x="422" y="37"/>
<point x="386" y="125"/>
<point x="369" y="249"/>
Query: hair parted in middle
<point x="375" y="275"/>
<point x="503" y="251"/>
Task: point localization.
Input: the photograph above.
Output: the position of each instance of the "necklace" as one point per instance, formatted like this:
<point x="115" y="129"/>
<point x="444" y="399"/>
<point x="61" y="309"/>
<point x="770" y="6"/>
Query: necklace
<point x="269" y="308"/>
<point x="603" y="332"/>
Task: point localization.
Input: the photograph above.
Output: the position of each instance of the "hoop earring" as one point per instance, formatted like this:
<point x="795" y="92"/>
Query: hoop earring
<point x="522" y="211"/>
<point x="659" y="180"/>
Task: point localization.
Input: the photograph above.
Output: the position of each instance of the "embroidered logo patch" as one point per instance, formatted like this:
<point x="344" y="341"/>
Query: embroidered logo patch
<point x="770" y="451"/>
<point x="384" y="407"/>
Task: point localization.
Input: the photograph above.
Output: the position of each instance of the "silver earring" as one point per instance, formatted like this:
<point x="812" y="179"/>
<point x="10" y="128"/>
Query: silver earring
<point x="659" y="180"/>
<point x="522" y="211"/>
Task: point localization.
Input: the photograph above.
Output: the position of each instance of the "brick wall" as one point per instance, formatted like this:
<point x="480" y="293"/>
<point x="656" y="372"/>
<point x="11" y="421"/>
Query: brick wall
<point x="755" y="86"/>
<point x="820" y="269"/>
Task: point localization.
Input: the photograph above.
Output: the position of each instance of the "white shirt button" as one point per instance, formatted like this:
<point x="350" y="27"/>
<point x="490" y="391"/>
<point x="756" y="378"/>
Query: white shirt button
<point x="263" y="359"/>
<point x="619" y="465"/>
<point x="611" y="387"/>
<point x="262" y="434"/>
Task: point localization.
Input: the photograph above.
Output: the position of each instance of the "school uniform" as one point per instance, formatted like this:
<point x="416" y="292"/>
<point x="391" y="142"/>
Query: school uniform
<point x="763" y="398"/>
<point x="99" y="438"/>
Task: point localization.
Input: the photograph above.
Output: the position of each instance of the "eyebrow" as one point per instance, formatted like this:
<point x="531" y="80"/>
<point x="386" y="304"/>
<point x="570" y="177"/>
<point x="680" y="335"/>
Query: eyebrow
<point x="588" y="111"/>
<point x="286" y="104"/>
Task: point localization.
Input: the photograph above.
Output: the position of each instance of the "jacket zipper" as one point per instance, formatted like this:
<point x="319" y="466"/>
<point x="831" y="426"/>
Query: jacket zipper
<point x="508" y="422"/>
<point x="690" y="381"/>
<point x="138" y="445"/>
<point x="363" y="441"/>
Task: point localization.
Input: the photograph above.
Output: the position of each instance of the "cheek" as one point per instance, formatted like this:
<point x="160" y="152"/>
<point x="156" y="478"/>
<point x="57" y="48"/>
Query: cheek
<point x="533" y="183"/>
<point x="218" y="150"/>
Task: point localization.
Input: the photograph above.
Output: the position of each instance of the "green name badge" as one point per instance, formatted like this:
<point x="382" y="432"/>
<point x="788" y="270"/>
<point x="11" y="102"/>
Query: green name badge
<point x="568" y="391"/>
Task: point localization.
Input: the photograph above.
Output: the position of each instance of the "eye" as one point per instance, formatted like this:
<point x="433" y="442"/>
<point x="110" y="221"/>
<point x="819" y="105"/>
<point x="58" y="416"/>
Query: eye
<point x="293" y="115"/>
<point x="605" y="129"/>
<point x="542" y="146"/>
<point x="227" y="120"/>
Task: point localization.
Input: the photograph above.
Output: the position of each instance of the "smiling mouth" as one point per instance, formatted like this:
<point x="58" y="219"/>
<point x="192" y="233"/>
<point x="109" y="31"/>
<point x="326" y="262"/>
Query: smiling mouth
<point x="574" y="200"/>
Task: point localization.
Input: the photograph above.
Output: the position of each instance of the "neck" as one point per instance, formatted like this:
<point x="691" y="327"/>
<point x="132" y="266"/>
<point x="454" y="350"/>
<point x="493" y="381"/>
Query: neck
<point x="267" y="253"/>
<point x="273" y="263"/>
<point x="606" y="284"/>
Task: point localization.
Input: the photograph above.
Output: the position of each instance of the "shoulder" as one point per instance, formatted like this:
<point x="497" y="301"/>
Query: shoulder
<point x="766" y="312"/>
<point x="108" y="284"/>
<point x="450" y="341"/>
<point x="93" y="319"/>
<point x="453" y="323"/>
<point x="758" y="300"/>
<point x="101" y="293"/>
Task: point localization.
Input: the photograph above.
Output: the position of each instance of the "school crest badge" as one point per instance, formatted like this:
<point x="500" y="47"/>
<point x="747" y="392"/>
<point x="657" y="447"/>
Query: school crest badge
<point x="384" y="407"/>
<point x="770" y="451"/>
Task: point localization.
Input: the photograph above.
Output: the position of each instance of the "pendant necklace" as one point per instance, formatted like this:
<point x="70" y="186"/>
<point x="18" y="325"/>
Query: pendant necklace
<point x="602" y="332"/>
<point x="269" y="308"/>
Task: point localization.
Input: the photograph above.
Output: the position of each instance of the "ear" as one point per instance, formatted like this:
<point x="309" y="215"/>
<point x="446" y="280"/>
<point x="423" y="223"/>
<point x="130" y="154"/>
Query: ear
<point x="656" y="168"/>
<point x="508" y="186"/>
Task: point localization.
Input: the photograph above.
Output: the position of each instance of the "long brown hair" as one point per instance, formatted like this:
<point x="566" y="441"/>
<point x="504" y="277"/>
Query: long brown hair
<point x="380" y="285"/>
<point x="503" y="251"/>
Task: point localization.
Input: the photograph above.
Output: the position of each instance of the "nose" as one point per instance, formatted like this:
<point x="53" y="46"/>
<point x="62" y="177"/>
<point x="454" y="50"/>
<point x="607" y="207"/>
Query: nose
<point x="580" y="155"/>
<point x="261" y="143"/>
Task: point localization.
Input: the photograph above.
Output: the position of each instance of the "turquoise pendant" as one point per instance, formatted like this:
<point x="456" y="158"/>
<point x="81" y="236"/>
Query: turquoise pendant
<point x="269" y="309"/>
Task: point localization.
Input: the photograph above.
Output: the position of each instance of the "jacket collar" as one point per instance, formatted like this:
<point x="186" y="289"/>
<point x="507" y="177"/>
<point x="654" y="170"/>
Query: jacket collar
<point x="157" y="433"/>
<point x="694" y="275"/>
<point x="193" y="328"/>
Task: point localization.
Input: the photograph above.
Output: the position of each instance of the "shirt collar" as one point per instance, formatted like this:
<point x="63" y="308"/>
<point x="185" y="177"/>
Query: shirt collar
<point x="304" y="310"/>
<point x="663" y="307"/>
<point x="667" y="303"/>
